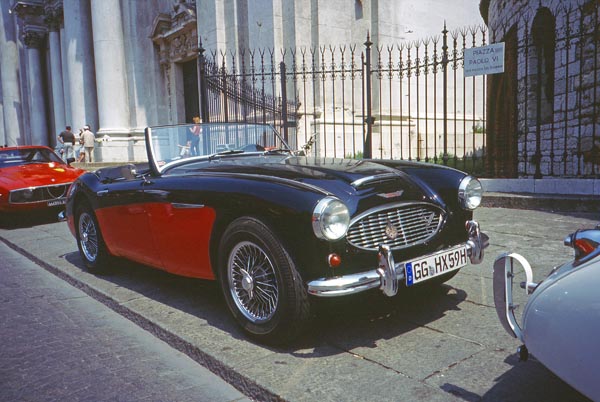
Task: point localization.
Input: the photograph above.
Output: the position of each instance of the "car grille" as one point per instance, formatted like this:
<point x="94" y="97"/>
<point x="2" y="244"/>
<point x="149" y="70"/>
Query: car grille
<point x="38" y="194"/>
<point x="398" y="226"/>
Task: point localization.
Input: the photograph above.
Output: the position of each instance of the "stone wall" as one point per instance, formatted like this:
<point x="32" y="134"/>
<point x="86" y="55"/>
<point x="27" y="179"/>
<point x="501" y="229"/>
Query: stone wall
<point x="567" y="133"/>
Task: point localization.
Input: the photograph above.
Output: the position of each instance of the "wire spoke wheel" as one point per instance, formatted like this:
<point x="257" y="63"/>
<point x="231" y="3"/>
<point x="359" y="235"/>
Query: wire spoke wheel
<point x="253" y="282"/>
<point x="263" y="290"/>
<point x="88" y="236"/>
<point x="90" y="242"/>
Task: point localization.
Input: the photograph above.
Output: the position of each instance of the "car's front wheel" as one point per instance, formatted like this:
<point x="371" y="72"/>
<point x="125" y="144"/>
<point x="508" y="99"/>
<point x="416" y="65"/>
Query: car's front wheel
<point x="263" y="289"/>
<point x="90" y="242"/>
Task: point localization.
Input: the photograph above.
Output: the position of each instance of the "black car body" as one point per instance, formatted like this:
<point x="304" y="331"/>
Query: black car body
<point x="276" y="227"/>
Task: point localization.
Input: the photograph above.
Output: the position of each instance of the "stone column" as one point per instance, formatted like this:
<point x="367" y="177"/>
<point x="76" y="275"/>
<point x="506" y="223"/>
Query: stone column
<point x="33" y="39"/>
<point x="111" y="74"/>
<point x="79" y="61"/>
<point x="9" y="79"/>
<point x="53" y="20"/>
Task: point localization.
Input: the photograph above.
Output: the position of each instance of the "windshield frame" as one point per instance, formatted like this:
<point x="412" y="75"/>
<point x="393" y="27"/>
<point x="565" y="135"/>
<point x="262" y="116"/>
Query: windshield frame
<point x="242" y="134"/>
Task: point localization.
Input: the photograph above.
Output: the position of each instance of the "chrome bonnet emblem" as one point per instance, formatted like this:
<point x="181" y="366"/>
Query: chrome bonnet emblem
<point x="390" y="230"/>
<point x="391" y="195"/>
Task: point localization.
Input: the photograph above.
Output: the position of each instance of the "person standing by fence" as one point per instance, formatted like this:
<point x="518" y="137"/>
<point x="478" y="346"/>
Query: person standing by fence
<point x="88" y="139"/>
<point x="195" y="130"/>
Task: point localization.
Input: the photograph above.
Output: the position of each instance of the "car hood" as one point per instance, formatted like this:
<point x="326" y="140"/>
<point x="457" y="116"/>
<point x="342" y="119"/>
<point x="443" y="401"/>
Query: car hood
<point x="345" y="178"/>
<point x="38" y="174"/>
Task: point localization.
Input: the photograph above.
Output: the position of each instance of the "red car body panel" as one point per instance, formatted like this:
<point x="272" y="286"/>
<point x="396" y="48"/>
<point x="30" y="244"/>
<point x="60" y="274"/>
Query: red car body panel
<point x="180" y="238"/>
<point x="32" y="175"/>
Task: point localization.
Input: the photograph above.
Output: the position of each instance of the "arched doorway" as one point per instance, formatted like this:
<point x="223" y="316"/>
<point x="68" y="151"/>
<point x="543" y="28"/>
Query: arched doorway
<point x="502" y="143"/>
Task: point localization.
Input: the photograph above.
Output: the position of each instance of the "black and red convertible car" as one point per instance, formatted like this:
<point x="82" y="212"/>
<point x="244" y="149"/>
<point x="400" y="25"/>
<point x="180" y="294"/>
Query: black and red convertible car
<point x="276" y="228"/>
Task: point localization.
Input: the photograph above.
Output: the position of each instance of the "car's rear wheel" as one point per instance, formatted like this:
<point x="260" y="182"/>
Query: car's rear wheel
<point x="261" y="285"/>
<point x="90" y="242"/>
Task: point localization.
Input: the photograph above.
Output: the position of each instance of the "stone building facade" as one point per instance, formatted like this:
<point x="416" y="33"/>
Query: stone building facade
<point x="122" y="65"/>
<point x="543" y="112"/>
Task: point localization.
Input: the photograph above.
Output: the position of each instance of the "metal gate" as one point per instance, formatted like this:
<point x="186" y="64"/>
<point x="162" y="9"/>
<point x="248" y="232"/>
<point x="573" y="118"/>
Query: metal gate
<point x="402" y="101"/>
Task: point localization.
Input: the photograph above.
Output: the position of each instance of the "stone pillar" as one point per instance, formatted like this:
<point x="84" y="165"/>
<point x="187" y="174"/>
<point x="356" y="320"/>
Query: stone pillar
<point x="33" y="39"/>
<point x="111" y="74"/>
<point x="9" y="79"/>
<point x="53" y="20"/>
<point x="79" y="61"/>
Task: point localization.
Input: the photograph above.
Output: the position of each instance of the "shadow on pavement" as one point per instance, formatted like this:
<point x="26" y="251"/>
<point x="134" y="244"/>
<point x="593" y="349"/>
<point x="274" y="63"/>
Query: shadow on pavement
<point x="338" y="324"/>
<point x="20" y="220"/>
<point x="530" y="380"/>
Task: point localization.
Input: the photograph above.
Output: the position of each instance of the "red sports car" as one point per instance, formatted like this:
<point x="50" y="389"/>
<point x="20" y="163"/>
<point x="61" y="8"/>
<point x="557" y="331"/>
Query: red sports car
<point x="33" y="178"/>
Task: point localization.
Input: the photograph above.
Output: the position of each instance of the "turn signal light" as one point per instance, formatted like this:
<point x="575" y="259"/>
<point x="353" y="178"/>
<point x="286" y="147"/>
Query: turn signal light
<point x="334" y="260"/>
<point x="583" y="247"/>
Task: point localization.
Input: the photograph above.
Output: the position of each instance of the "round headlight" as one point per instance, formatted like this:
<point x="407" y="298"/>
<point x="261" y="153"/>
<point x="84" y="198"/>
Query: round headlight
<point x="470" y="192"/>
<point x="330" y="219"/>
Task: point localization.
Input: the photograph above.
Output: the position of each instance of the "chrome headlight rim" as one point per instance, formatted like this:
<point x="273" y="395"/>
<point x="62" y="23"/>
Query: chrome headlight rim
<point x="328" y="212"/>
<point x="470" y="193"/>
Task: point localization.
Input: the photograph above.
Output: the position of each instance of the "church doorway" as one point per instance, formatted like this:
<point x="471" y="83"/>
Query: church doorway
<point x="190" y="89"/>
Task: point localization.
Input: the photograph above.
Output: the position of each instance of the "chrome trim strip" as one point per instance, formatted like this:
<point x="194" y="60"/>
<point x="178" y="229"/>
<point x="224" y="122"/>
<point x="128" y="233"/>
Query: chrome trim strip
<point x="179" y="205"/>
<point x="45" y="201"/>
<point x="379" y="177"/>
<point x="36" y="187"/>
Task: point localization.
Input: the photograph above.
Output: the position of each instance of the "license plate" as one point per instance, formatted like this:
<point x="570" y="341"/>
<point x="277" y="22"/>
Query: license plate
<point x="60" y="201"/>
<point x="437" y="264"/>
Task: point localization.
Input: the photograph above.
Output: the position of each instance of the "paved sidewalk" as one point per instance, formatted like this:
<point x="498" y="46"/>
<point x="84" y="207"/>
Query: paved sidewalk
<point x="59" y="344"/>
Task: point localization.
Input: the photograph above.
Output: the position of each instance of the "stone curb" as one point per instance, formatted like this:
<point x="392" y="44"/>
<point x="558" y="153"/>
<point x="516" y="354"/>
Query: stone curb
<point x="542" y="202"/>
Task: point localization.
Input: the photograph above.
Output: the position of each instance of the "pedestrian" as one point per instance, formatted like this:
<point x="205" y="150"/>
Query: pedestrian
<point x="80" y="151"/>
<point x="67" y="139"/>
<point x="194" y="138"/>
<point x="88" y="139"/>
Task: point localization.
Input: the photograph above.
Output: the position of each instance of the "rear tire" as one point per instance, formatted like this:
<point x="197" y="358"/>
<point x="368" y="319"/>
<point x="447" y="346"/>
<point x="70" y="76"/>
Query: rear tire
<point x="91" y="245"/>
<point x="261" y="285"/>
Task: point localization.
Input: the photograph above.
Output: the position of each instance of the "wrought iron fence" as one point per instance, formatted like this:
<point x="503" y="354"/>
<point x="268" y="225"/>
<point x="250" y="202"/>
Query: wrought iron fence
<point x="407" y="101"/>
<point x="412" y="100"/>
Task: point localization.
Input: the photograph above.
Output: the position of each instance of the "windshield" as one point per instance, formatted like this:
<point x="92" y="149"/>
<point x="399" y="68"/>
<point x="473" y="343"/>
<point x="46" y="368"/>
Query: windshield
<point x="173" y="145"/>
<point x="22" y="156"/>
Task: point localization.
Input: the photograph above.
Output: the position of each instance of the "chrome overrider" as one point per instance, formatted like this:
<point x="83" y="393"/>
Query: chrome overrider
<point x="388" y="273"/>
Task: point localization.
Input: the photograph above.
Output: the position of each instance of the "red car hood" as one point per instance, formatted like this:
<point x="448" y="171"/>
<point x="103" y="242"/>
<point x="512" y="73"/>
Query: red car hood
<point x="37" y="174"/>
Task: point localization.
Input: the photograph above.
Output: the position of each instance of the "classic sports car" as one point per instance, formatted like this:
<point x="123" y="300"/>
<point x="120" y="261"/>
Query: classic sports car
<point x="33" y="177"/>
<point x="274" y="227"/>
<point x="560" y="324"/>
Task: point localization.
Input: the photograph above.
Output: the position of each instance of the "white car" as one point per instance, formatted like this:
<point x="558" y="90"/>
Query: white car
<point x="560" y="324"/>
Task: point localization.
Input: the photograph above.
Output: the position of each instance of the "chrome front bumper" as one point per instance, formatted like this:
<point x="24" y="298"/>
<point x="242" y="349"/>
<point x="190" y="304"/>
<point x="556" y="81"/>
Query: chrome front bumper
<point x="388" y="273"/>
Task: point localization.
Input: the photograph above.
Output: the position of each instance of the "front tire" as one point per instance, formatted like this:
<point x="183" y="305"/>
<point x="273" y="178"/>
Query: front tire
<point x="90" y="242"/>
<point x="261" y="285"/>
